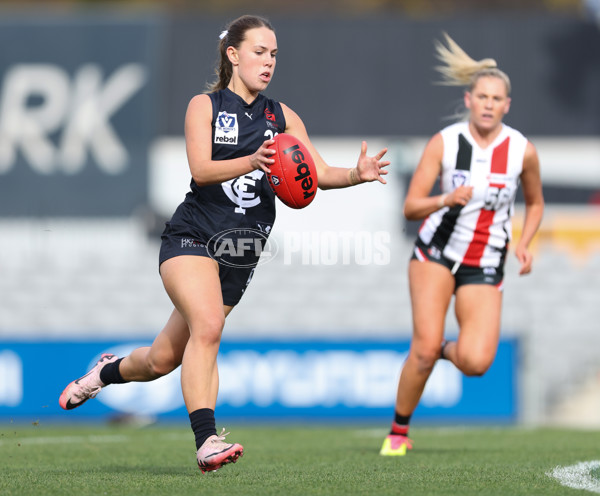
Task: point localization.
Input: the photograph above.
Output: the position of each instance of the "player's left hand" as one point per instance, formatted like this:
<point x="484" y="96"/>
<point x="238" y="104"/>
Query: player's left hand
<point x="525" y="259"/>
<point x="371" y="168"/>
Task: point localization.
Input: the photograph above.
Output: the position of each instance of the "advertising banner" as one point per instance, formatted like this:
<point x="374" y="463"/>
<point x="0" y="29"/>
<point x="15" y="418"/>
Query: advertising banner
<point x="78" y="104"/>
<point x="311" y="381"/>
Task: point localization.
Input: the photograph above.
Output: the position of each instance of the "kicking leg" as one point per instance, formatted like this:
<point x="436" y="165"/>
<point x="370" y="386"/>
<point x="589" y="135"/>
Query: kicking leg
<point x="143" y="364"/>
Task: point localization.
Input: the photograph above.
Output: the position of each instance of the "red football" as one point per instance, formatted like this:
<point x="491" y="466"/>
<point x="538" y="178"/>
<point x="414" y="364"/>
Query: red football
<point x="293" y="176"/>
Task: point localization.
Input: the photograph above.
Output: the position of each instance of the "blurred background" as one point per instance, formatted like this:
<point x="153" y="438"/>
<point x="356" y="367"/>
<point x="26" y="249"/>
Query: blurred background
<point x="93" y="96"/>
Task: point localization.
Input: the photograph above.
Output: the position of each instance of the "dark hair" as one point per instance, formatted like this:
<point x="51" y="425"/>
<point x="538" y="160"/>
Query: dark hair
<point x="233" y="36"/>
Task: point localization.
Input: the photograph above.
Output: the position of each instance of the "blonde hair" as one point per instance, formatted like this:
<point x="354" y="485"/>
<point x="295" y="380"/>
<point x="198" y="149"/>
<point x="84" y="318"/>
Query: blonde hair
<point x="459" y="69"/>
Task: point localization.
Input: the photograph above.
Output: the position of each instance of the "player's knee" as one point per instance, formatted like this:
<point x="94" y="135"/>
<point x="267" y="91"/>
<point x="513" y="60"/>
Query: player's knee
<point x="473" y="366"/>
<point x="425" y="359"/>
<point x="162" y="366"/>
<point x="208" y="331"/>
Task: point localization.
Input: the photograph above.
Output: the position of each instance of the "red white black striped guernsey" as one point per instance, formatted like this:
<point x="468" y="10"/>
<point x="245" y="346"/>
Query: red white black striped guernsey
<point x="477" y="234"/>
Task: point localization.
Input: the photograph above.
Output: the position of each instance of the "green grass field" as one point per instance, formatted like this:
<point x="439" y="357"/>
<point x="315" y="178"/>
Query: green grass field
<point x="285" y="460"/>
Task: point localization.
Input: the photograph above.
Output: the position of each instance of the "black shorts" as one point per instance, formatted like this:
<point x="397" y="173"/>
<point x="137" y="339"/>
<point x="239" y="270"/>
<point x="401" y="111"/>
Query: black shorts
<point x="463" y="274"/>
<point x="234" y="280"/>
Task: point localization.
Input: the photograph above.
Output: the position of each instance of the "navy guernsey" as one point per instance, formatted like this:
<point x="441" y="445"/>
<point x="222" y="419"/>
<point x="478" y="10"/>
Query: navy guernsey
<point x="238" y="129"/>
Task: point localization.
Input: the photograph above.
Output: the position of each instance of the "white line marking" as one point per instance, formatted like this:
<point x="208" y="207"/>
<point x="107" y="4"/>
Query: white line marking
<point x="578" y="476"/>
<point x="372" y="433"/>
<point x="65" y="440"/>
<point x="92" y="438"/>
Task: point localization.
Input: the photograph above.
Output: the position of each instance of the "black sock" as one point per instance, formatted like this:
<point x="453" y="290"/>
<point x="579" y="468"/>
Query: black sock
<point x="203" y="425"/>
<point x="400" y="425"/>
<point x="109" y="374"/>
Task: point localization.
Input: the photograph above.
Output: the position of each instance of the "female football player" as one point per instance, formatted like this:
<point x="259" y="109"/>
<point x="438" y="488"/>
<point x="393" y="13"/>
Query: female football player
<point x="463" y="240"/>
<point x="228" y="132"/>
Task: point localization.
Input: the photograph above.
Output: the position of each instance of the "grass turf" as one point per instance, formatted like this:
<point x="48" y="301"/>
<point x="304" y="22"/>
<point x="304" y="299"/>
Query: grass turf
<point x="288" y="460"/>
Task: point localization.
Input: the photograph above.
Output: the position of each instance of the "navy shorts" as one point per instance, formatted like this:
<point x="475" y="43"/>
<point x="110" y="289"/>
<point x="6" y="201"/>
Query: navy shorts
<point x="234" y="279"/>
<point x="463" y="274"/>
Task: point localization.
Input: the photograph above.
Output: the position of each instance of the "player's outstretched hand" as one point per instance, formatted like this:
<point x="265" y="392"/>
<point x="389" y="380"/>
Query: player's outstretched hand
<point x="371" y="168"/>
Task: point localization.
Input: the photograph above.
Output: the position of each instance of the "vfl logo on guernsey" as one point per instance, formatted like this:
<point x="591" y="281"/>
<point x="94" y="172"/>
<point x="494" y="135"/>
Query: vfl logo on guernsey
<point x="226" y="129"/>
<point x="242" y="191"/>
<point x="460" y="178"/>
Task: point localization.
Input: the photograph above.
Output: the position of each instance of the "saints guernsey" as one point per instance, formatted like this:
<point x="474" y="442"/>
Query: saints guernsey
<point x="247" y="201"/>
<point x="477" y="234"/>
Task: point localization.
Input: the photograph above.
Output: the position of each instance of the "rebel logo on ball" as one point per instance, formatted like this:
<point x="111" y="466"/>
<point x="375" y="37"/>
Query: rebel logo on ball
<point x="303" y="170"/>
<point x="293" y="175"/>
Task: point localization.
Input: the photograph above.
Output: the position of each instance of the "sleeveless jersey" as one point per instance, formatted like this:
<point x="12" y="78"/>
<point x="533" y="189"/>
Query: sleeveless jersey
<point x="247" y="201"/>
<point x="477" y="234"/>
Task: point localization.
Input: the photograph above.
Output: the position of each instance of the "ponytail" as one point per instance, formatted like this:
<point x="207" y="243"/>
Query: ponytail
<point x="233" y="36"/>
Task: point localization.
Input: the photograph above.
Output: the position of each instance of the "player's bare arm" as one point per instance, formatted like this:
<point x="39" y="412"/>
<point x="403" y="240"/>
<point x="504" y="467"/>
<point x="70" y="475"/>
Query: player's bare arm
<point x="198" y="136"/>
<point x="531" y="184"/>
<point x="418" y="203"/>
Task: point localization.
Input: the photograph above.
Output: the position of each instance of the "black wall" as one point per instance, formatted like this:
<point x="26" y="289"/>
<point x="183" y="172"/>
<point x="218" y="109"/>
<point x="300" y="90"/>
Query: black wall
<point x="77" y="124"/>
<point x="374" y="76"/>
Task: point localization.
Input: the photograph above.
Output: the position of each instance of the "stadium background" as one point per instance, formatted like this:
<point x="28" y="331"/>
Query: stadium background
<point x="92" y="162"/>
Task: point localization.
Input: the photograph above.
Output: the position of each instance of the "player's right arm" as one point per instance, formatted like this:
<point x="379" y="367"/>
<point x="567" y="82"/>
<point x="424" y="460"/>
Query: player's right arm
<point x="198" y="143"/>
<point x="418" y="204"/>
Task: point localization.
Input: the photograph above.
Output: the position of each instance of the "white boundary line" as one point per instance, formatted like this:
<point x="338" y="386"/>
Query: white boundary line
<point x="64" y="439"/>
<point x="578" y="476"/>
<point x="92" y="438"/>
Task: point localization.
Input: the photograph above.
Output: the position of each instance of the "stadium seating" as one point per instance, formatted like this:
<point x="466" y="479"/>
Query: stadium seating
<point x="85" y="279"/>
